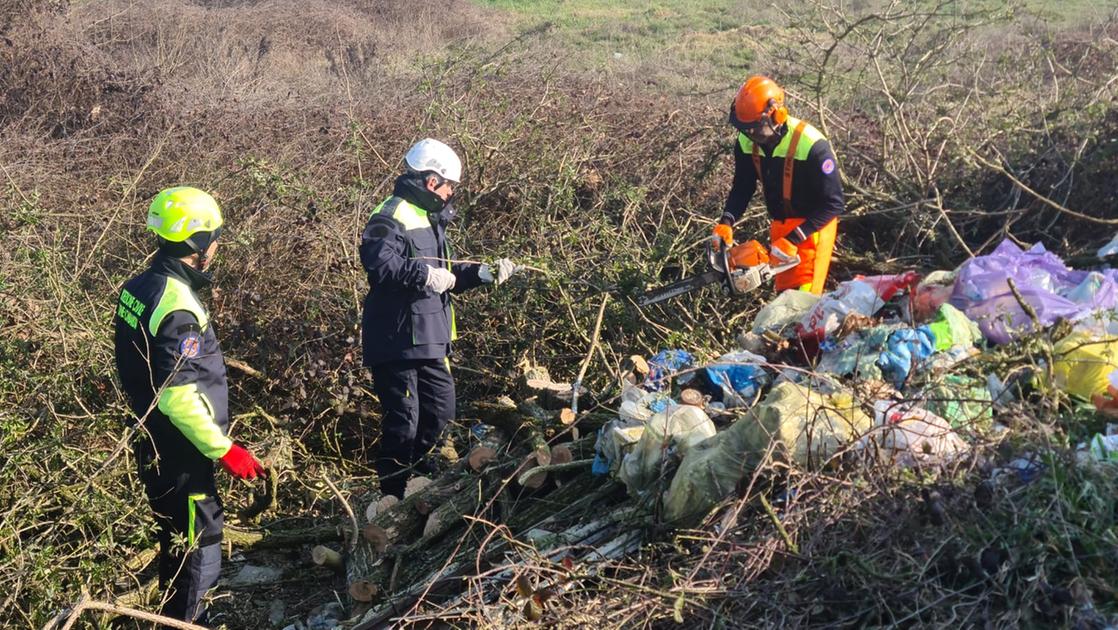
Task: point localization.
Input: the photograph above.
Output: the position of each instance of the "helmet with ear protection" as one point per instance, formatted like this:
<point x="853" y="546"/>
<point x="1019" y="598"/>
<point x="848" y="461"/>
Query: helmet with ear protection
<point x="758" y="96"/>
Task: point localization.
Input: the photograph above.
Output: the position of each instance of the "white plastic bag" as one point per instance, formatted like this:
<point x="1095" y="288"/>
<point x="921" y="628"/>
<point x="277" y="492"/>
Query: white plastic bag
<point x="854" y="296"/>
<point x="788" y="308"/>
<point x="1110" y="249"/>
<point x="906" y="435"/>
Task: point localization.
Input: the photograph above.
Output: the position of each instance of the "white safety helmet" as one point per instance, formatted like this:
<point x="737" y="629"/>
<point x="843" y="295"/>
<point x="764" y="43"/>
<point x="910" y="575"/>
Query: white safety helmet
<point x="431" y="155"/>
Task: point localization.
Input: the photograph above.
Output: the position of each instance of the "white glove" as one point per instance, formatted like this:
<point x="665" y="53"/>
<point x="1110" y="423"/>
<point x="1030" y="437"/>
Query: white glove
<point x="505" y="269"/>
<point x="439" y="280"/>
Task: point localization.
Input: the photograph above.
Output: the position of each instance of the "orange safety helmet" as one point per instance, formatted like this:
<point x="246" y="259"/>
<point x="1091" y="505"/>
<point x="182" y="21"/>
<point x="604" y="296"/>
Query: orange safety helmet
<point x="758" y="96"/>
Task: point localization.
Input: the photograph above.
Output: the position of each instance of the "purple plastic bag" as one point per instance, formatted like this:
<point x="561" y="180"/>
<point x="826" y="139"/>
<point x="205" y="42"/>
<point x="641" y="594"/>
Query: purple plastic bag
<point x="1052" y="289"/>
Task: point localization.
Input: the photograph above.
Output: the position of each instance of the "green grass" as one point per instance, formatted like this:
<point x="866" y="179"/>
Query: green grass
<point x="1066" y="12"/>
<point x="706" y="45"/>
<point x="697" y="43"/>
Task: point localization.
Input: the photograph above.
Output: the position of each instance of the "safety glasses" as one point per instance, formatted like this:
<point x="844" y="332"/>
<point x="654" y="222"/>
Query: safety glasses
<point x="747" y="127"/>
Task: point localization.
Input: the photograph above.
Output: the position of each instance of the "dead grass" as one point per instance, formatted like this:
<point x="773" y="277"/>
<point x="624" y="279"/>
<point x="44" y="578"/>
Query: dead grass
<point x="295" y="115"/>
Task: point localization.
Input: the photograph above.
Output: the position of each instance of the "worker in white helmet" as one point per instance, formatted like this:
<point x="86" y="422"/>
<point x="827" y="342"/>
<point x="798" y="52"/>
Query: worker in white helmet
<point x="408" y="322"/>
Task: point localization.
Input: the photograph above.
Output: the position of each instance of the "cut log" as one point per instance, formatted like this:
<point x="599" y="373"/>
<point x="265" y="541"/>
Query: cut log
<point x="520" y="428"/>
<point x="534" y="373"/>
<point x="481" y="456"/>
<point x="536" y="383"/>
<point x="692" y="397"/>
<point x="567" y="416"/>
<point x="639" y="365"/>
<point x="362" y="590"/>
<point x="561" y="454"/>
<point x="590" y="422"/>
<point x="415" y="485"/>
<point x="527" y="476"/>
<point x="324" y="556"/>
<point x="446" y="516"/>
<point x="376" y="536"/>
<point x="634" y="370"/>
<point x="380" y="506"/>
<point x="278" y="538"/>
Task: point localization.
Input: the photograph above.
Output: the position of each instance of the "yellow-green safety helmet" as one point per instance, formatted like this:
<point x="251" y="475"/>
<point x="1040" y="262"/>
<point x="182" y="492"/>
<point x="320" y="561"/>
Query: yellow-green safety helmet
<point x="178" y="213"/>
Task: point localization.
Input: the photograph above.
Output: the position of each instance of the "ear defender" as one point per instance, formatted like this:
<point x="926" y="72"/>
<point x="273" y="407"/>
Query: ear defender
<point x="779" y="112"/>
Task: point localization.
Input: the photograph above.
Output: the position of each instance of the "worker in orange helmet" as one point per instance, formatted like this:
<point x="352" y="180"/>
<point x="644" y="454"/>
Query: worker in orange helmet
<point x="799" y="178"/>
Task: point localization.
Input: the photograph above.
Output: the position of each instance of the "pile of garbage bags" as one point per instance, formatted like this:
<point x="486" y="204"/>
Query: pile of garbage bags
<point x="787" y="395"/>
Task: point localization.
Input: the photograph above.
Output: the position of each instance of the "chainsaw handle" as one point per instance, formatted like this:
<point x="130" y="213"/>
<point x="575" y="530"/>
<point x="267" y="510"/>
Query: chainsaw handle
<point x="717" y="256"/>
<point x="720" y="260"/>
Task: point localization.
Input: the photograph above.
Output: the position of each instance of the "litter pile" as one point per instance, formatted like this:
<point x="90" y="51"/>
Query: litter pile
<point x="887" y="371"/>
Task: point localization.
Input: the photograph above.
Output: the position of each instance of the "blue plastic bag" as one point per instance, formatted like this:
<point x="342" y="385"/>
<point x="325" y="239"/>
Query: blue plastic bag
<point x="738" y="376"/>
<point x="664" y="365"/>
<point x="906" y="349"/>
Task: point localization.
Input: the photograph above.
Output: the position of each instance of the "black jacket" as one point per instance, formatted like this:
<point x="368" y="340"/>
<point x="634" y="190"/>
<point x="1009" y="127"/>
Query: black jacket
<point x="402" y="319"/>
<point x="171" y="367"/>
<point x="817" y="195"/>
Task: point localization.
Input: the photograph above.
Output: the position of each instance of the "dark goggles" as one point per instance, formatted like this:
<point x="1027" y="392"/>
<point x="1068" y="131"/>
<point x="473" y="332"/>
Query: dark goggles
<point x="746" y="127"/>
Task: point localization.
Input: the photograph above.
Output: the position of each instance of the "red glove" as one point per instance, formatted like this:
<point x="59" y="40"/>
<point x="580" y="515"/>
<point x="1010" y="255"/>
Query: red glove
<point x="241" y="464"/>
<point x="783" y="251"/>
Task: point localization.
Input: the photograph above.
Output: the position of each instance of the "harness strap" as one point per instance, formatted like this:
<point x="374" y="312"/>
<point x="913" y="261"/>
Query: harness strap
<point x="789" y="163"/>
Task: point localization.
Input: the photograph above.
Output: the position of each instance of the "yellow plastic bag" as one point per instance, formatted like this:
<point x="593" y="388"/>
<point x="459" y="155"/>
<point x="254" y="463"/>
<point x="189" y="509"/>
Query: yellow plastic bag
<point x="1082" y="364"/>
<point x="808" y="426"/>
<point x="803" y="427"/>
<point x="678" y="427"/>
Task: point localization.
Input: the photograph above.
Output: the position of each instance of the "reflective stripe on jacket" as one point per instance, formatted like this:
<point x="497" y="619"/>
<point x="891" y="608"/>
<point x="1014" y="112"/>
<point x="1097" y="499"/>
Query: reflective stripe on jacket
<point x="402" y="319"/>
<point x="171" y="366"/>
<point x="816" y="186"/>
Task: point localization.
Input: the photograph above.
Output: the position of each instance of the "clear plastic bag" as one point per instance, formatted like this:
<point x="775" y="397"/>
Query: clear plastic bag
<point x="674" y="430"/>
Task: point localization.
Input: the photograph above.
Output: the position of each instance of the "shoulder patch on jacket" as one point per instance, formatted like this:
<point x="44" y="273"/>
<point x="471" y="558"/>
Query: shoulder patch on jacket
<point x="828" y="166"/>
<point x="190" y="345"/>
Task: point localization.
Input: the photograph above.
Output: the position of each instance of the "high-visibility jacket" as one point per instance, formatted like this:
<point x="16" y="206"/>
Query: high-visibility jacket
<point x="172" y="369"/>
<point x="402" y="319"/>
<point x="803" y="195"/>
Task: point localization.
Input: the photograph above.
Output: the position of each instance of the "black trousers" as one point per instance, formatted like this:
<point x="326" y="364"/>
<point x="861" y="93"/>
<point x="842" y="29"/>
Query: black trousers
<point x="417" y="397"/>
<point x="189" y="520"/>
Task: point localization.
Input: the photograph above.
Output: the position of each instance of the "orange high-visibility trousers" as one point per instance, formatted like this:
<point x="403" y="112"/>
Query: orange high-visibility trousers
<point x="815" y="256"/>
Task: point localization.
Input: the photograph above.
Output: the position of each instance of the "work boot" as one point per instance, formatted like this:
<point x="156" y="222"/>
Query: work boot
<point x="426" y="466"/>
<point x="392" y="477"/>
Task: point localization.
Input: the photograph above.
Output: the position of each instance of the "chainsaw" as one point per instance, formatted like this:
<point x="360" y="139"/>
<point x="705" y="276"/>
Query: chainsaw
<point x="740" y="268"/>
